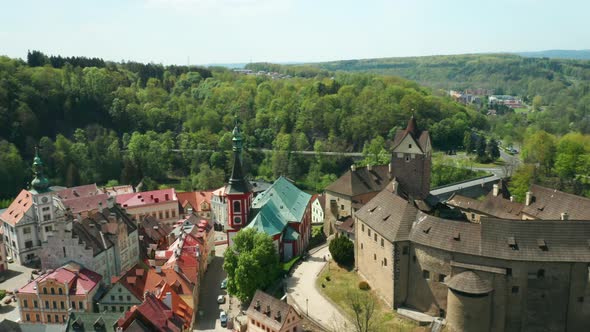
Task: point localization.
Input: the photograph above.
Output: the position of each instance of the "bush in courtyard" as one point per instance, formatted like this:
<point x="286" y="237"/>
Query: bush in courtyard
<point x="363" y="285"/>
<point x="342" y="249"/>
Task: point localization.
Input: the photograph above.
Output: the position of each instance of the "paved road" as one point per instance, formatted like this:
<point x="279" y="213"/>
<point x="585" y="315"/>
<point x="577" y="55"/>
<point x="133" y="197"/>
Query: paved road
<point x="301" y="287"/>
<point x="208" y="314"/>
<point x="16" y="277"/>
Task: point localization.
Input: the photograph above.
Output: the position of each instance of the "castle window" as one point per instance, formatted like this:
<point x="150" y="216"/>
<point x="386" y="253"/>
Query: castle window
<point x="407" y="158"/>
<point x="46" y="304"/>
<point x="341" y="206"/>
<point x="35" y="304"/>
<point x="514" y="289"/>
<point x="374" y="257"/>
<point x="60" y="291"/>
<point x="375" y="237"/>
<point x="25" y="304"/>
<point x="237" y="207"/>
<point x="384" y="261"/>
<point x="426" y="274"/>
<point x="382" y="243"/>
<point x="64" y="251"/>
<point x="362" y="246"/>
<point x="369" y="232"/>
<point x="441" y="277"/>
<point x="52" y="291"/>
<point x="405" y="250"/>
<point x="414" y="258"/>
<point x="28" y="317"/>
<point x="509" y="272"/>
<point x="541" y="274"/>
<point x="363" y="227"/>
<point x="27" y="230"/>
<point x="409" y="146"/>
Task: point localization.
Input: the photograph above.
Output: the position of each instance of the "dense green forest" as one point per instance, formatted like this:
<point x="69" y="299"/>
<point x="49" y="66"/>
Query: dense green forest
<point x="98" y="121"/>
<point x="563" y="85"/>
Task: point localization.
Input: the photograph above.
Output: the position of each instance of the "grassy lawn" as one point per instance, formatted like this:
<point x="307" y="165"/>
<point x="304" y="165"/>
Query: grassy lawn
<point x="343" y="281"/>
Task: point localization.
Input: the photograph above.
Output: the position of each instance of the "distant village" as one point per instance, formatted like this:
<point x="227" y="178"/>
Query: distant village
<point x="480" y="97"/>
<point x="121" y="259"/>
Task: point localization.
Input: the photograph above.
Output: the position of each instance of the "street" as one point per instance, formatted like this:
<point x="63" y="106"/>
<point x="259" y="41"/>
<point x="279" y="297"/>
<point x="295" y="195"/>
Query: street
<point x="16" y="277"/>
<point x="208" y="312"/>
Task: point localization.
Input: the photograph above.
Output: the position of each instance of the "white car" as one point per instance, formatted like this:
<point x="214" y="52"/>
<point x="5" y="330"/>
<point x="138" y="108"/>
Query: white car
<point x="221" y="299"/>
<point x="223" y="318"/>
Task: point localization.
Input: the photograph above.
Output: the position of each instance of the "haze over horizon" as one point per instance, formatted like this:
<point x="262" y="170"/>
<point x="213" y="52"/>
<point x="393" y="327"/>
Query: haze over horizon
<point x="241" y="31"/>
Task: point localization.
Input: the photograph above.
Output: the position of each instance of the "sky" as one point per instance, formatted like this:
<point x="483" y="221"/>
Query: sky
<point x="238" y="31"/>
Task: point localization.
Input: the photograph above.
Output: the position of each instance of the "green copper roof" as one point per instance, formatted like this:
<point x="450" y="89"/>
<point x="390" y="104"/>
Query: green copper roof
<point x="291" y="234"/>
<point x="237" y="181"/>
<point x="40" y="183"/>
<point x="279" y="205"/>
<point x="290" y="200"/>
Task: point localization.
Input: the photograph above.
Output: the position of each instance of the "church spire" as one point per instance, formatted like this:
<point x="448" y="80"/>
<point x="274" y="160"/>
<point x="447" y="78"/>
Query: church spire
<point x="237" y="181"/>
<point x="40" y="182"/>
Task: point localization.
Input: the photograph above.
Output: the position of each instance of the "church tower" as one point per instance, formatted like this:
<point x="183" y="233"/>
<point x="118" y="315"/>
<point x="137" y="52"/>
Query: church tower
<point x="411" y="160"/>
<point x="239" y="190"/>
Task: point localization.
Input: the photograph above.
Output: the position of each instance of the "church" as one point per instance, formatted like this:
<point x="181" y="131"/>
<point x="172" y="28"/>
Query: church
<point x="282" y="211"/>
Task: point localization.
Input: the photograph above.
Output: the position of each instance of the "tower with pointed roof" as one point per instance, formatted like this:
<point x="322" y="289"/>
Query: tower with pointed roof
<point x="40" y="184"/>
<point x="239" y="190"/>
<point x="411" y="160"/>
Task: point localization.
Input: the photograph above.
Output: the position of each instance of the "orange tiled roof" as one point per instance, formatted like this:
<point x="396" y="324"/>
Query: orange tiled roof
<point x="196" y="199"/>
<point x="17" y="209"/>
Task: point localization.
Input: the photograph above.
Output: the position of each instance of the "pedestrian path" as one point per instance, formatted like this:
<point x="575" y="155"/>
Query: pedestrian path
<point x="302" y="290"/>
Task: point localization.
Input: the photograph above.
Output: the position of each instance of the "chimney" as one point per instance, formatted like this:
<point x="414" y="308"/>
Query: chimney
<point x="394" y="187"/>
<point x="278" y="316"/>
<point x="267" y="309"/>
<point x="511" y="198"/>
<point x="158" y="269"/>
<point x="353" y="167"/>
<point x="390" y="168"/>
<point x="257" y="306"/>
<point x="564" y="216"/>
<point x="369" y="167"/>
<point x="167" y="197"/>
<point x="496" y="190"/>
<point x="168" y="300"/>
<point x="529" y="198"/>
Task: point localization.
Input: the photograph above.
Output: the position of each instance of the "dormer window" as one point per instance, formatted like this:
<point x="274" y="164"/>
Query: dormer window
<point x="409" y="146"/>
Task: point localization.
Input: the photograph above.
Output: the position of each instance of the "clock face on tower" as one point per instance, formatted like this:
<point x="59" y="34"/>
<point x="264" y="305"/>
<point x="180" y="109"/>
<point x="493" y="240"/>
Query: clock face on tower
<point x="44" y="199"/>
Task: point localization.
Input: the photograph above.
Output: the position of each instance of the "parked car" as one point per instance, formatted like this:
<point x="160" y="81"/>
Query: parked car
<point x="224" y="284"/>
<point x="221" y="299"/>
<point x="223" y="318"/>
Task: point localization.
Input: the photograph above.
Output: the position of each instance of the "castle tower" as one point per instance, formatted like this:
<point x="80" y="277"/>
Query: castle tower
<point x="411" y="160"/>
<point x="239" y="190"/>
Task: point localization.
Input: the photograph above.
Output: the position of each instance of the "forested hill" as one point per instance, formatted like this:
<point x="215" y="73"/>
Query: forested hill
<point x="98" y="121"/>
<point x="564" y="85"/>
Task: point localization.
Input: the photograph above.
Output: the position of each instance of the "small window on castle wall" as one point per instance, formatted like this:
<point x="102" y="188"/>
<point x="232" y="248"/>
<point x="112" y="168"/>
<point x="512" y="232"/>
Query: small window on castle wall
<point x="426" y="274"/>
<point x="384" y="261"/>
<point x="237" y="207"/>
<point x="407" y="158"/>
<point x="441" y="277"/>
<point x="369" y="232"/>
<point x="541" y="274"/>
<point x="374" y="257"/>
<point x="409" y="146"/>
<point x="362" y="227"/>
<point x="375" y="237"/>
<point x="514" y="289"/>
<point x="382" y="243"/>
<point x="362" y="246"/>
<point x="405" y="250"/>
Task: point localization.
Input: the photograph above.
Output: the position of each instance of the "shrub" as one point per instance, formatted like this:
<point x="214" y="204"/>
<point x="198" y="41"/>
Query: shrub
<point x="342" y="249"/>
<point x="363" y="285"/>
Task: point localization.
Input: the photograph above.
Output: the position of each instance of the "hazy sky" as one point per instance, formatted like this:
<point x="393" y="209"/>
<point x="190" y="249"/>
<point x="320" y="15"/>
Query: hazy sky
<point x="225" y="31"/>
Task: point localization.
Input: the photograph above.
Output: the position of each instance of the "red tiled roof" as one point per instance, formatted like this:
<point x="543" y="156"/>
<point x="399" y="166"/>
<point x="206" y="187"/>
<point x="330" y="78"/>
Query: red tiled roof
<point x="219" y="192"/>
<point x="179" y="306"/>
<point x="81" y="280"/>
<point x="17" y="209"/>
<point x="154" y="312"/>
<point x="86" y="203"/>
<point x="147" y="197"/>
<point x="79" y="191"/>
<point x="196" y="198"/>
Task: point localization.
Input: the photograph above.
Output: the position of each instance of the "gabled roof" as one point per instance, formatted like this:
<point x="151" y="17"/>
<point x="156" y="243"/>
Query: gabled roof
<point x="139" y="283"/>
<point x="422" y="138"/>
<point x="551" y="203"/>
<point x="562" y="241"/>
<point x="80" y="280"/>
<point x="86" y="203"/>
<point x="389" y="215"/>
<point x="276" y="317"/>
<point x="90" y="321"/>
<point x="494" y="206"/>
<point x="153" y="313"/>
<point x="18" y="208"/>
<point x="153" y="229"/>
<point x="79" y="191"/>
<point x="268" y="219"/>
<point x="347" y="225"/>
<point x="290" y="200"/>
<point x="178" y="305"/>
<point x="195" y="199"/>
<point x="146" y="198"/>
<point x="361" y="181"/>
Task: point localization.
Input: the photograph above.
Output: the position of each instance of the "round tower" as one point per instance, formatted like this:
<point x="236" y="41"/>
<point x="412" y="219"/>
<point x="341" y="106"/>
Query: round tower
<point x="468" y="303"/>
